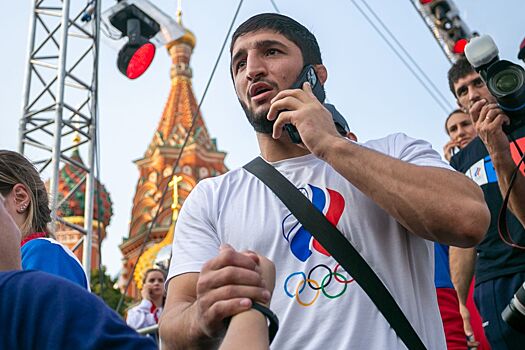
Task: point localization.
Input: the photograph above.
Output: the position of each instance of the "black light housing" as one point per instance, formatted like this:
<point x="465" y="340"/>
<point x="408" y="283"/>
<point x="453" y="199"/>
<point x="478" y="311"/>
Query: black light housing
<point x="137" y="54"/>
<point x="446" y="18"/>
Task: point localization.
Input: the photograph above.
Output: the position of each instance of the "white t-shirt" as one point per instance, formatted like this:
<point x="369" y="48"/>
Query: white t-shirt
<point x="318" y="307"/>
<point x="143" y="315"/>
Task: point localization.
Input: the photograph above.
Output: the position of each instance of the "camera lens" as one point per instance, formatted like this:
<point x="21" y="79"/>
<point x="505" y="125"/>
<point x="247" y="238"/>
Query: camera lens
<point x="514" y="313"/>
<point x="506" y="81"/>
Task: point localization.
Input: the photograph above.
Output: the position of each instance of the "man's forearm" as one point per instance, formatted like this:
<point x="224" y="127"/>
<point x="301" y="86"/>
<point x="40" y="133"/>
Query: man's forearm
<point x="462" y="264"/>
<point x="504" y="166"/>
<point x="178" y="330"/>
<point x="247" y="329"/>
<point x="437" y="204"/>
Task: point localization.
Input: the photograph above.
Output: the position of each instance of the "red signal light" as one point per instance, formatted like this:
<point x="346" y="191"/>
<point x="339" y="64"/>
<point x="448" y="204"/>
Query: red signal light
<point x="424" y="2"/>
<point x="134" y="59"/>
<point x="521" y="54"/>
<point x="140" y="61"/>
<point x="459" y="46"/>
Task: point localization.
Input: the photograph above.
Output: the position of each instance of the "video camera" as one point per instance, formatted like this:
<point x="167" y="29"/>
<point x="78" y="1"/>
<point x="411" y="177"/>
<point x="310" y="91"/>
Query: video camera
<point x="505" y="80"/>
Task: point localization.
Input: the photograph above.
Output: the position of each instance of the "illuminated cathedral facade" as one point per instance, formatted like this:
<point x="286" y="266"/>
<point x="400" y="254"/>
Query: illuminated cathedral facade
<point x="199" y="159"/>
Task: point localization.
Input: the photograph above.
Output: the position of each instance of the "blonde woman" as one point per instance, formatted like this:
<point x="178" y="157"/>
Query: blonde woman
<point x="26" y="200"/>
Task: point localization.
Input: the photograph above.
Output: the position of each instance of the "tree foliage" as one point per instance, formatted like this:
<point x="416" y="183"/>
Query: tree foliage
<point x="108" y="290"/>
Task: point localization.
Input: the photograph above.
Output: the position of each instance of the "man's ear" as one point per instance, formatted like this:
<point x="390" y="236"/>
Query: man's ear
<point x="321" y="72"/>
<point x="351" y="136"/>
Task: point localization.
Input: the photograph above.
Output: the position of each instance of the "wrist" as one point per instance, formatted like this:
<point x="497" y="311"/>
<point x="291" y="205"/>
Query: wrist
<point x="326" y="148"/>
<point x="502" y="159"/>
<point x="273" y="321"/>
<point x="197" y="332"/>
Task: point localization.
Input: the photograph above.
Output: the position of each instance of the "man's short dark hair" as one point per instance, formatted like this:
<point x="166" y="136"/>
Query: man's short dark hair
<point x="459" y="70"/>
<point x="290" y="28"/>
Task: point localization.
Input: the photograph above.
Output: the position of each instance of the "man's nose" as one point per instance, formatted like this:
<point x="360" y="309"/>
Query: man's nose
<point x="255" y="67"/>
<point x="473" y="95"/>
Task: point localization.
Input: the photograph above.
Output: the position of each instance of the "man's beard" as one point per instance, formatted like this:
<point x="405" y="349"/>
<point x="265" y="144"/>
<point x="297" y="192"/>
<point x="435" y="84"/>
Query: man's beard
<point x="258" y="121"/>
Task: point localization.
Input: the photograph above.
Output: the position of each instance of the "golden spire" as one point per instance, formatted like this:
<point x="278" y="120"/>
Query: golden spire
<point x="179" y="12"/>
<point x="76" y="138"/>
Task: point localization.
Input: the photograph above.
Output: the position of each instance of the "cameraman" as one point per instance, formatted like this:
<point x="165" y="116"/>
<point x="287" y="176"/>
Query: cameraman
<point x="488" y="120"/>
<point x="500" y="269"/>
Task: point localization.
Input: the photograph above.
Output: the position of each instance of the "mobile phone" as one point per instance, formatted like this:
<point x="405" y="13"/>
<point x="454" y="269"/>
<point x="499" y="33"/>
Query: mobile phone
<point x="307" y="75"/>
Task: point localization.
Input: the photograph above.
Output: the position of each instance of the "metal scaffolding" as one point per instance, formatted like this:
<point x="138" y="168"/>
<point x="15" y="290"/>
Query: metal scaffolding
<point x="60" y="98"/>
<point x="441" y="36"/>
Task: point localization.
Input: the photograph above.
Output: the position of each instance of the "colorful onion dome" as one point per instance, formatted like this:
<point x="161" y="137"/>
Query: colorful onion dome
<point x="70" y="176"/>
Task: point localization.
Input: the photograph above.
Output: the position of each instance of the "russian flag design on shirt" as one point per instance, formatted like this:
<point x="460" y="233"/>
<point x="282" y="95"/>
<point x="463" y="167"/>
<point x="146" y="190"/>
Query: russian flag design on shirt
<point x="302" y="243"/>
<point x="483" y="171"/>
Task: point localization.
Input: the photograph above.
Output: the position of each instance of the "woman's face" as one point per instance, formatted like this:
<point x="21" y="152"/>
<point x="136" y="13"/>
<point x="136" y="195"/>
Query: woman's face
<point x="155" y="283"/>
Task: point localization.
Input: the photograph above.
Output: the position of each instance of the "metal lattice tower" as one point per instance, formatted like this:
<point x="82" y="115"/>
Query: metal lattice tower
<point x="60" y="98"/>
<point x="439" y="34"/>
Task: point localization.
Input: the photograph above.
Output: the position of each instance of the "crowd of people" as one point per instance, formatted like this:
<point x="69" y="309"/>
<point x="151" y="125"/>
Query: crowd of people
<point x="426" y="227"/>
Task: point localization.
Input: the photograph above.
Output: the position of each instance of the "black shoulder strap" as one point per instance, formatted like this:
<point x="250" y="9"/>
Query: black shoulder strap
<point x="339" y="247"/>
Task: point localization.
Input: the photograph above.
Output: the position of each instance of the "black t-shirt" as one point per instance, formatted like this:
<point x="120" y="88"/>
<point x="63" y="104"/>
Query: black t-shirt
<point x="495" y="258"/>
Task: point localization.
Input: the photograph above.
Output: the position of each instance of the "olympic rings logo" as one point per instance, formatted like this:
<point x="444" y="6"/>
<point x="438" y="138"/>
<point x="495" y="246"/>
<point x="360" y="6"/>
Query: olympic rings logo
<point x="294" y="289"/>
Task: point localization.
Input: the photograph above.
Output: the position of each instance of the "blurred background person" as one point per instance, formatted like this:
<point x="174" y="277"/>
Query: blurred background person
<point x="461" y="130"/>
<point x="26" y="200"/>
<point x="148" y="312"/>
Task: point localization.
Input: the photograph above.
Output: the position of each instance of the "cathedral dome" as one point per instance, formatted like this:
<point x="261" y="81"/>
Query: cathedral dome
<point x="70" y="176"/>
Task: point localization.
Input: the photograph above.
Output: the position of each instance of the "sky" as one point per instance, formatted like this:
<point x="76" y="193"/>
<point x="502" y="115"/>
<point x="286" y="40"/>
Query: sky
<point x="367" y="82"/>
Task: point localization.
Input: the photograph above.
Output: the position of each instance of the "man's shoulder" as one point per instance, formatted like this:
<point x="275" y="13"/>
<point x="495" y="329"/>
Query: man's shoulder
<point x="214" y="187"/>
<point x="393" y="140"/>
<point x="401" y="146"/>
<point x="217" y="181"/>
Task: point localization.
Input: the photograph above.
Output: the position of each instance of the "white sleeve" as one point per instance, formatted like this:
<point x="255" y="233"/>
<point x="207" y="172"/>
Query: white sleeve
<point x="195" y="240"/>
<point x="414" y="151"/>
<point x="140" y="316"/>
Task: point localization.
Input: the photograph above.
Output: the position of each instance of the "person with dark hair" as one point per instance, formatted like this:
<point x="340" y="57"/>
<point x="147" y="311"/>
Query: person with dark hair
<point x="460" y="129"/>
<point x="27" y="202"/>
<point x="42" y="311"/>
<point x="386" y="196"/>
<point x="489" y="160"/>
<point x="147" y="313"/>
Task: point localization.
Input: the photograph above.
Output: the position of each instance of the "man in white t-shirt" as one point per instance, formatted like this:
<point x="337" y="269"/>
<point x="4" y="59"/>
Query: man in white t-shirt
<point x="389" y="197"/>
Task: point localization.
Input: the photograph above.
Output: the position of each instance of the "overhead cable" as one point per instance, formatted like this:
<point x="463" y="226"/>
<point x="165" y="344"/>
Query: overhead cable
<point x="435" y="92"/>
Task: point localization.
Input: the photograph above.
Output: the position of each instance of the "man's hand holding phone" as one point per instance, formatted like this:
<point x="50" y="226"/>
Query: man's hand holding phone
<point x="302" y="109"/>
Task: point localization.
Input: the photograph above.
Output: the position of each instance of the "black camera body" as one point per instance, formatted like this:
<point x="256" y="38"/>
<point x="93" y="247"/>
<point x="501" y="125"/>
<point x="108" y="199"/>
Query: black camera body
<point x="514" y="313"/>
<point x="505" y="80"/>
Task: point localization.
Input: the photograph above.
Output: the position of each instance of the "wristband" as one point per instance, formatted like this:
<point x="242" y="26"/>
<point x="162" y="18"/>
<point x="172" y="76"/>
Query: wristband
<point x="273" y="325"/>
